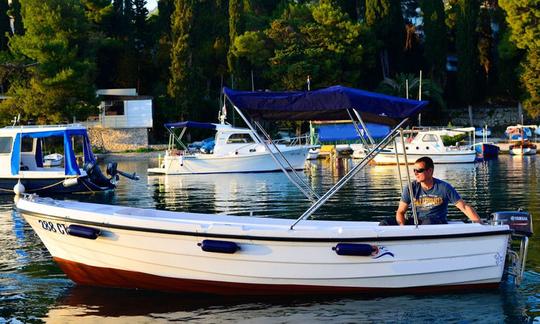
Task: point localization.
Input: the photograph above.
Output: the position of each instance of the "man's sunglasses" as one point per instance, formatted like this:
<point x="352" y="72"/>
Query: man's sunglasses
<point x="419" y="170"/>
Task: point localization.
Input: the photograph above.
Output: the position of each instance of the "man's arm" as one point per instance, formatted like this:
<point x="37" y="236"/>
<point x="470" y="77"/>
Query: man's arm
<point x="400" y="213"/>
<point x="468" y="211"/>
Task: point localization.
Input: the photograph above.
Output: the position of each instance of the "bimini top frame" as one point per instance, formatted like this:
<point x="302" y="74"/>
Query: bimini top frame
<point x="333" y="103"/>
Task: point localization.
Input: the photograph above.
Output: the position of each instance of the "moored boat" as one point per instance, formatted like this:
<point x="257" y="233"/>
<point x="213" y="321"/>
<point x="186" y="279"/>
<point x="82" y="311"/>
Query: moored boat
<point x="126" y="247"/>
<point x="522" y="148"/>
<point x="234" y="150"/>
<point x="22" y="162"/>
<point x="429" y="142"/>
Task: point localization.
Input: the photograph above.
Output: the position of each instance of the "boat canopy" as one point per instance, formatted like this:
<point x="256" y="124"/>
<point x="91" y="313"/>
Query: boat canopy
<point x="70" y="161"/>
<point x="324" y="104"/>
<point x="347" y="131"/>
<point x="190" y="124"/>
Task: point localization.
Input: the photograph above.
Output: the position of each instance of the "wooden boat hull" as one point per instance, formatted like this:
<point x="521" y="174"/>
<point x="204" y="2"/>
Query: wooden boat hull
<point x="162" y="250"/>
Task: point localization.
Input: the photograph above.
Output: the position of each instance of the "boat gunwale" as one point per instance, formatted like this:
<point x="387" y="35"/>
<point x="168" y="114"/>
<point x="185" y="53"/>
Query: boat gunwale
<point x="270" y="238"/>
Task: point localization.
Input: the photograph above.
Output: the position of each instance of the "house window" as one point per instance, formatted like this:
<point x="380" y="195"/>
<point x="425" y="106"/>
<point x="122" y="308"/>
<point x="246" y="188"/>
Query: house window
<point x="114" y="108"/>
<point x="5" y="144"/>
<point x="240" y="138"/>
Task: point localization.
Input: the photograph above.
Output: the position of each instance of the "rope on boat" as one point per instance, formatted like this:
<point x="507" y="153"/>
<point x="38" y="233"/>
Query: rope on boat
<point x="38" y="189"/>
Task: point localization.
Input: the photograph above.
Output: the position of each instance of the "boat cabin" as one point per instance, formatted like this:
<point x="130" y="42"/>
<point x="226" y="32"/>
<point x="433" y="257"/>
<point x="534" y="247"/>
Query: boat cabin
<point x="22" y="148"/>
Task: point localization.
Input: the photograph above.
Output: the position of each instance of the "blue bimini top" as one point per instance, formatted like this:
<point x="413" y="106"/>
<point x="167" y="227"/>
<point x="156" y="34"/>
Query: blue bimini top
<point x="324" y="104"/>
<point x="70" y="161"/>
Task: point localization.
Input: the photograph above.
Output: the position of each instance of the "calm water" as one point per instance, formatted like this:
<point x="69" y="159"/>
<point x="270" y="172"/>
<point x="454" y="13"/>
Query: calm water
<point x="33" y="289"/>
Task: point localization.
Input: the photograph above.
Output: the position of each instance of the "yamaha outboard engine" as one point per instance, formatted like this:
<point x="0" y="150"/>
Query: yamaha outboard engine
<point x="520" y="222"/>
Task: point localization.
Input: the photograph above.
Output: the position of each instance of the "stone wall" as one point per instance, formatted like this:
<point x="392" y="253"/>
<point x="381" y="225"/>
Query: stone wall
<point x="118" y="139"/>
<point x="493" y="117"/>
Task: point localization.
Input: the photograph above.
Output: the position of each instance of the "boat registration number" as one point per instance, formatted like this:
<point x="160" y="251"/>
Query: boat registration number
<point x="53" y="227"/>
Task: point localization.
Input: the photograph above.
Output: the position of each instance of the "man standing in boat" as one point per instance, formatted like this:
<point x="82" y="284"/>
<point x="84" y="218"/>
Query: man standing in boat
<point x="431" y="197"/>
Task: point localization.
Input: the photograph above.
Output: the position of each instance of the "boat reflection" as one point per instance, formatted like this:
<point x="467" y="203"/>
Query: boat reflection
<point x="88" y="304"/>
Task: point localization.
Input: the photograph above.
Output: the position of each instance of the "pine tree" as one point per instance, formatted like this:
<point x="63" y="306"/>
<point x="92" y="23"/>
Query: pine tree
<point x="60" y="68"/>
<point x="435" y="43"/>
<point x="467" y="50"/>
<point x="181" y="57"/>
<point x="235" y="29"/>
<point x="15" y="13"/>
<point x="385" y="19"/>
<point x="140" y="23"/>
<point x="485" y="45"/>
<point x="522" y="16"/>
<point x="5" y="26"/>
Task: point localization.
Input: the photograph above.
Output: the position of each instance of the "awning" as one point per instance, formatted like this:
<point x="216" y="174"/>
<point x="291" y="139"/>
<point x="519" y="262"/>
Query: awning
<point x="324" y="104"/>
<point x="190" y="124"/>
<point x="347" y="132"/>
<point x="70" y="162"/>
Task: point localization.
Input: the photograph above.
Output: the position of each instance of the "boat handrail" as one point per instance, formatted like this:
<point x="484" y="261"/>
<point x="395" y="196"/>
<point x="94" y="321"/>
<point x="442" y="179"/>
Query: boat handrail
<point x="292" y="141"/>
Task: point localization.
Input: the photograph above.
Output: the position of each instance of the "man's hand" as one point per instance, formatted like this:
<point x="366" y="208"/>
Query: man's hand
<point x="468" y="211"/>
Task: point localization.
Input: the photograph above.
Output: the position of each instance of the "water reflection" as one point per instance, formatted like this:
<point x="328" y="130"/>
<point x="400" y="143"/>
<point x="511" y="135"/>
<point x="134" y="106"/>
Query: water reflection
<point x="32" y="288"/>
<point x="80" y="303"/>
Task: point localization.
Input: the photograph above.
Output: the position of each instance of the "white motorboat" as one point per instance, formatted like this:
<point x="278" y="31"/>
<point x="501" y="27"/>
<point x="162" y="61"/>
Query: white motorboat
<point x="118" y="246"/>
<point x="186" y="252"/>
<point x="429" y="143"/>
<point x="22" y="162"/>
<point x="235" y="150"/>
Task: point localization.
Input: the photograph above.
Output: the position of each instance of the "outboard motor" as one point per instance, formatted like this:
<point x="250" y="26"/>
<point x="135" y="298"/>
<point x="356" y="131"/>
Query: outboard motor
<point x="520" y="222"/>
<point x="113" y="172"/>
<point x="96" y="176"/>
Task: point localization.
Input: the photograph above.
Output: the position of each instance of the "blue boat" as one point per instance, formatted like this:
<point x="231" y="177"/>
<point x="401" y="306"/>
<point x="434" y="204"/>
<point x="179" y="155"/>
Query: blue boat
<point x="486" y="151"/>
<point x="23" y="168"/>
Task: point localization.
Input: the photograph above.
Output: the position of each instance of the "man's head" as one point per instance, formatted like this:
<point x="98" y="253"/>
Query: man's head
<point x="423" y="169"/>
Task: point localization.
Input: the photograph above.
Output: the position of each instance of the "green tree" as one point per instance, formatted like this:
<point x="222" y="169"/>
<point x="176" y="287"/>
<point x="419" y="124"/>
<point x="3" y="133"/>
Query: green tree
<point x="15" y="13"/>
<point x="235" y="28"/>
<point x="316" y="40"/>
<point x="179" y="86"/>
<point x="522" y="17"/>
<point x="55" y="43"/>
<point x="485" y="45"/>
<point x="385" y="19"/>
<point x="467" y="50"/>
<point x="435" y="41"/>
<point x="431" y="91"/>
<point x="5" y="27"/>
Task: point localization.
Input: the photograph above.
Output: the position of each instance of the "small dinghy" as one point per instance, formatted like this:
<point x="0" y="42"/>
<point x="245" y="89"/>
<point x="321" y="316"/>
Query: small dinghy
<point x="53" y="160"/>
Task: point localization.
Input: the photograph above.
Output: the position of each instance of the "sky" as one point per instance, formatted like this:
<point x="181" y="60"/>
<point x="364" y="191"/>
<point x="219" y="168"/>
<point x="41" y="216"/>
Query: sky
<point x="151" y="4"/>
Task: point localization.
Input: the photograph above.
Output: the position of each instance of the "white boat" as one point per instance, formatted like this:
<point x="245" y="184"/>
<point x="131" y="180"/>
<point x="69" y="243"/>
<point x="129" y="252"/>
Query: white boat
<point x="119" y="246"/>
<point x="22" y="162"/>
<point x="522" y="148"/>
<point x="313" y="153"/>
<point x="429" y="143"/>
<point x="186" y="252"/>
<point x="235" y="150"/>
<point x="359" y="151"/>
<point x="53" y="160"/>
